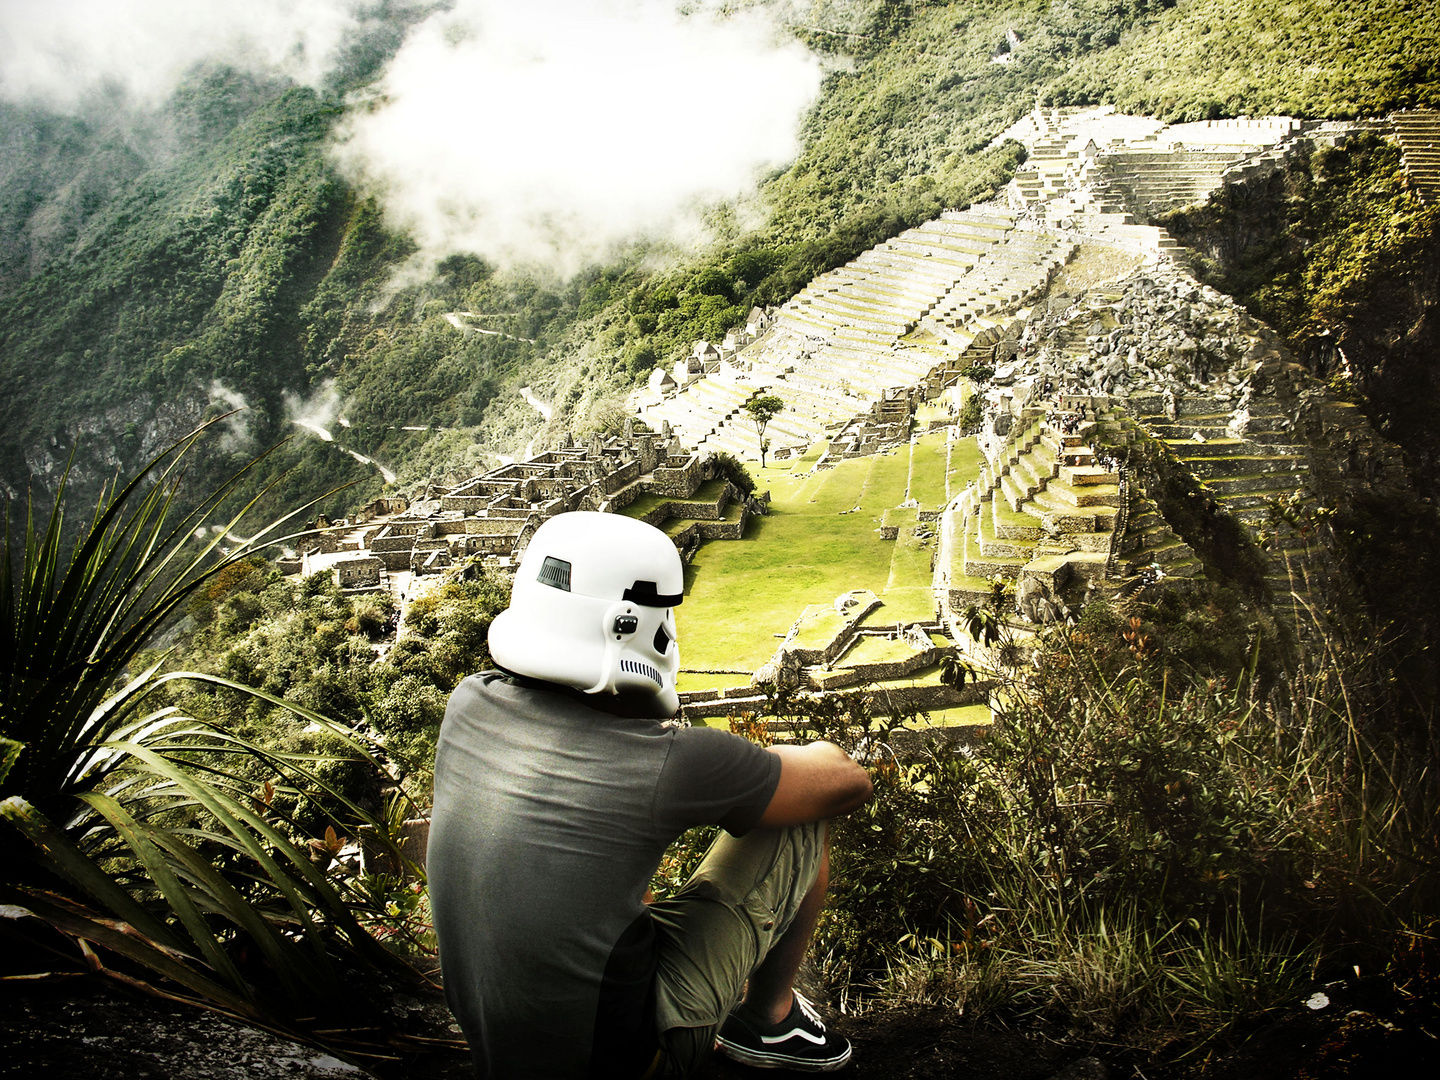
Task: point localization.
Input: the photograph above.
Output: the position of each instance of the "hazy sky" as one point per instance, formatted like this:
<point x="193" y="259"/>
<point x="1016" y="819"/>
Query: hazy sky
<point x="542" y="130"/>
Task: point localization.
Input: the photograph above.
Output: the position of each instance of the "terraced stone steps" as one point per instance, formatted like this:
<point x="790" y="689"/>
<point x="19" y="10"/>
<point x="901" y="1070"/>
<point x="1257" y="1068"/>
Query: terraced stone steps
<point x="847" y="340"/>
<point x="1418" y="132"/>
<point x="1040" y="503"/>
<point x="1247" y="475"/>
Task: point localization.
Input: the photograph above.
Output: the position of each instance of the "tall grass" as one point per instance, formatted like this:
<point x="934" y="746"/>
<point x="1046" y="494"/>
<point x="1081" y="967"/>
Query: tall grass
<point x="1149" y="857"/>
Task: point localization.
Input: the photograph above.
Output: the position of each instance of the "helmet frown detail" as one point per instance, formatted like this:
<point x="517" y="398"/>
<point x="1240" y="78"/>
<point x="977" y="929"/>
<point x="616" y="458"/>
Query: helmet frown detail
<point x="593" y="608"/>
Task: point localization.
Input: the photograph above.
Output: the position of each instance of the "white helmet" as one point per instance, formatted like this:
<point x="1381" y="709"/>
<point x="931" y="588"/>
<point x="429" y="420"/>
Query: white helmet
<point x="592" y="607"/>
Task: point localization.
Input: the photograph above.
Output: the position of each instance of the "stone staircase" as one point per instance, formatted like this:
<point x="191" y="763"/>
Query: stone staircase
<point x="1418" y="131"/>
<point x="1044" y="508"/>
<point x="1246" y="471"/>
<point x="1186" y="163"/>
<point x="703" y="410"/>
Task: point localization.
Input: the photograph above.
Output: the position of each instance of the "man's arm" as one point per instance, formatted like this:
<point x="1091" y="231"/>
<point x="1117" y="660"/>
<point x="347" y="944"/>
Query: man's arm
<point x="817" y="781"/>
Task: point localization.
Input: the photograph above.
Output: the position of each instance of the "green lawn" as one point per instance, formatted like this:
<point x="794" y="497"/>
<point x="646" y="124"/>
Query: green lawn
<point x="965" y="462"/>
<point x="818" y="627"/>
<point x="927" y="470"/>
<point x="960" y="715"/>
<point x="696" y="680"/>
<point x="877" y="650"/>
<point x="709" y="491"/>
<point x="820" y="539"/>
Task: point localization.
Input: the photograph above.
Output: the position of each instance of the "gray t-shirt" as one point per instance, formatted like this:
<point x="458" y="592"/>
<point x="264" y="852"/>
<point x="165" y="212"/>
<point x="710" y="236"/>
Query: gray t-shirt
<point x="550" y="819"/>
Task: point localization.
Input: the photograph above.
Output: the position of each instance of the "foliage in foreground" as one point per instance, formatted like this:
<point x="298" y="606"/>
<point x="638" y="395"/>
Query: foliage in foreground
<point x="336" y="653"/>
<point x="172" y="845"/>
<point x="1148" y="859"/>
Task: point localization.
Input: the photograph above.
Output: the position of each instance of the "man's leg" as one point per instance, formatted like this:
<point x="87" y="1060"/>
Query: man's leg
<point x="748" y="913"/>
<point x="770" y="990"/>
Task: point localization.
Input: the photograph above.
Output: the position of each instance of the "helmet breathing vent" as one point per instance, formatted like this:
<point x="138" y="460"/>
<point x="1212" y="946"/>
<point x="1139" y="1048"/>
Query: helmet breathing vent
<point x="637" y="668"/>
<point x="555" y="573"/>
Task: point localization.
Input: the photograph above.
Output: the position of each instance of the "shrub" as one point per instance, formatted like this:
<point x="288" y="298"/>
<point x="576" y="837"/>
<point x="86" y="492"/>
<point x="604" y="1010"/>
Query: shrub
<point x="122" y="806"/>
<point x="731" y="467"/>
<point x="1139" y="851"/>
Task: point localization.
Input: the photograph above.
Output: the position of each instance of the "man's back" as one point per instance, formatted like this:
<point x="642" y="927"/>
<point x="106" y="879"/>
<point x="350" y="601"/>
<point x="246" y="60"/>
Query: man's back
<point x="550" y="818"/>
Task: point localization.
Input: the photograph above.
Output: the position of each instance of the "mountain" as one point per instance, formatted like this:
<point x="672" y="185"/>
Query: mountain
<point x="161" y="266"/>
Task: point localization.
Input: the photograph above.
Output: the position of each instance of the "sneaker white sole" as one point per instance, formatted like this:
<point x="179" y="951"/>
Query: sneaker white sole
<point x="762" y="1059"/>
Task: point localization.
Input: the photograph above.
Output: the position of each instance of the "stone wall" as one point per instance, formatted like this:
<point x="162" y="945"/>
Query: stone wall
<point x="893" y="669"/>
<point x="466" y="504"/>
<point x="889" y="700"/>
<point x="691" y="536"/>
<point x="488" y="544"/>
<point x="382" y="544"/>
<point x="702" y="511"/>
<point x="839" y="643"/>
<point x="678" y="481"/>
<point x="627" y="473"/>
<point x="724" y="530"/>
<point x="490" y="526"/>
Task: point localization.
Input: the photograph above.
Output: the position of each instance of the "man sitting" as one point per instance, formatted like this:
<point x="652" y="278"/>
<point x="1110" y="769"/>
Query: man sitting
<point x="557" y="791"/>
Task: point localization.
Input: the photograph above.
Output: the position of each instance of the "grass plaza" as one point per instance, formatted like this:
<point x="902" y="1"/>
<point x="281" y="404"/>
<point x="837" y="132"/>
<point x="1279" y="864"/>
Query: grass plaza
<point x="820" y="539"/>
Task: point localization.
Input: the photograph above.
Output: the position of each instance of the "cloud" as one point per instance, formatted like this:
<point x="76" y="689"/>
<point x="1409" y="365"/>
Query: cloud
<point x="234" y="429"/>
<point x="57" y="51"/>
<point x="549" y="131"/>
<point x="526" y="131"/>
<point x="317" y="411"/>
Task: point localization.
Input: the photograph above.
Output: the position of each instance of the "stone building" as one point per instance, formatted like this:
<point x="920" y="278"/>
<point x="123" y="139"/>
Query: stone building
<point x="495" y="514"/>
<point x="364" y="573"/>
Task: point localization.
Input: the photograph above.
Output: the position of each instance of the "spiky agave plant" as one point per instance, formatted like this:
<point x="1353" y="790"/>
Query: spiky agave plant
<point x="132" y="826"/>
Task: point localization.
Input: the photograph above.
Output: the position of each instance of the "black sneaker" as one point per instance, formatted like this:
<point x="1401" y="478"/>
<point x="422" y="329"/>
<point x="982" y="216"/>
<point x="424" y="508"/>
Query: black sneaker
<point x="800" y="1041"/>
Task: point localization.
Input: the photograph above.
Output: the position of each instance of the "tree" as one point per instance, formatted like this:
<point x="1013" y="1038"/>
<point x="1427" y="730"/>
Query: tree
<point x="762" y="410"/>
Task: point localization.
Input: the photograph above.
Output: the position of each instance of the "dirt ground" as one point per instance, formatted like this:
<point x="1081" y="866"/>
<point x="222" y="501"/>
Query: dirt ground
<point x="89" y="1027"/>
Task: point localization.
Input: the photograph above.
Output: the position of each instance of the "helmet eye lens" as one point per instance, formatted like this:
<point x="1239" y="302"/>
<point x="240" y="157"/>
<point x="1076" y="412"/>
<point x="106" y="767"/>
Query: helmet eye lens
<point x="662" y="640"/>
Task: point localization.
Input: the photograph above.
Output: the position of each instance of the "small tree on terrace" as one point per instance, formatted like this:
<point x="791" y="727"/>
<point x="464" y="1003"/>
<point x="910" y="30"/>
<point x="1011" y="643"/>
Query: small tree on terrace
<point x="762" y="410"/>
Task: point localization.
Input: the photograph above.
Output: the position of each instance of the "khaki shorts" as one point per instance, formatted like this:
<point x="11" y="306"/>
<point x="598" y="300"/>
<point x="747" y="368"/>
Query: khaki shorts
<point x="715" y="931"/>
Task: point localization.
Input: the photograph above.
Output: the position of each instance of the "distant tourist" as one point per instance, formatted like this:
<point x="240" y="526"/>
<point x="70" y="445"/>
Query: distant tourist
<point x="558" y="788"/>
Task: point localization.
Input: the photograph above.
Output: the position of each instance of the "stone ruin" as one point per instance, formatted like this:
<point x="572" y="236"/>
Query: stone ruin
<point x="495" y="514"/>
<point x="1080" y="374"/>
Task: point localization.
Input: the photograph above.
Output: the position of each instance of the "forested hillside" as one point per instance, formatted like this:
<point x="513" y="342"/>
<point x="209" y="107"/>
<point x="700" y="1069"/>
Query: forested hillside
<point x="1181" y="825"/>
<point x="157" y="266"/>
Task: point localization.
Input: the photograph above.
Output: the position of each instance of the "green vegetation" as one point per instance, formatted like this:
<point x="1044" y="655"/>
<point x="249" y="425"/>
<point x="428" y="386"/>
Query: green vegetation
<point x="1339" y="253"/>
<point x="1162" y="838"/>
<point x="820" y="539"/>
<point x="708" y="492"/>
<point x="927" y="470"/>
<point x="1145" y="852"/>
<point x="309" y="643"/>
<point x="1207" y="59"/>
<point x="1333" y="251"/>
<point x="733" y="469"/>
<point x="878" y="650"/>
<point x="762" y="409"/>
<point x="133" y="278"/>
<point x="212" y="850"/>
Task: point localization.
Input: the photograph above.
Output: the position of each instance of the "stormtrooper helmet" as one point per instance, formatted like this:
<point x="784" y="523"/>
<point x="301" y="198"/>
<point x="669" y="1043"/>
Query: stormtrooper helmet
<point x="593" y="608"/>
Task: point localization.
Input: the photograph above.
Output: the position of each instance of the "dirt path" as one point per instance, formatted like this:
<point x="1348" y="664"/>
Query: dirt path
<point x="325" y="436"/>
<point x="87" y="1026"/>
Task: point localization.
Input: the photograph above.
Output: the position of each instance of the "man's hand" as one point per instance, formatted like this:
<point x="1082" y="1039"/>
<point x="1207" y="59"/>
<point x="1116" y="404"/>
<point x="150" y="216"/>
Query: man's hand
<point x="817" y="781"/>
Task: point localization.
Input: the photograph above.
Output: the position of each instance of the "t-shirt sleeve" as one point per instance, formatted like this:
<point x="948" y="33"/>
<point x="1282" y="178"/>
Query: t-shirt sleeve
<point x="712" y="777"/>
